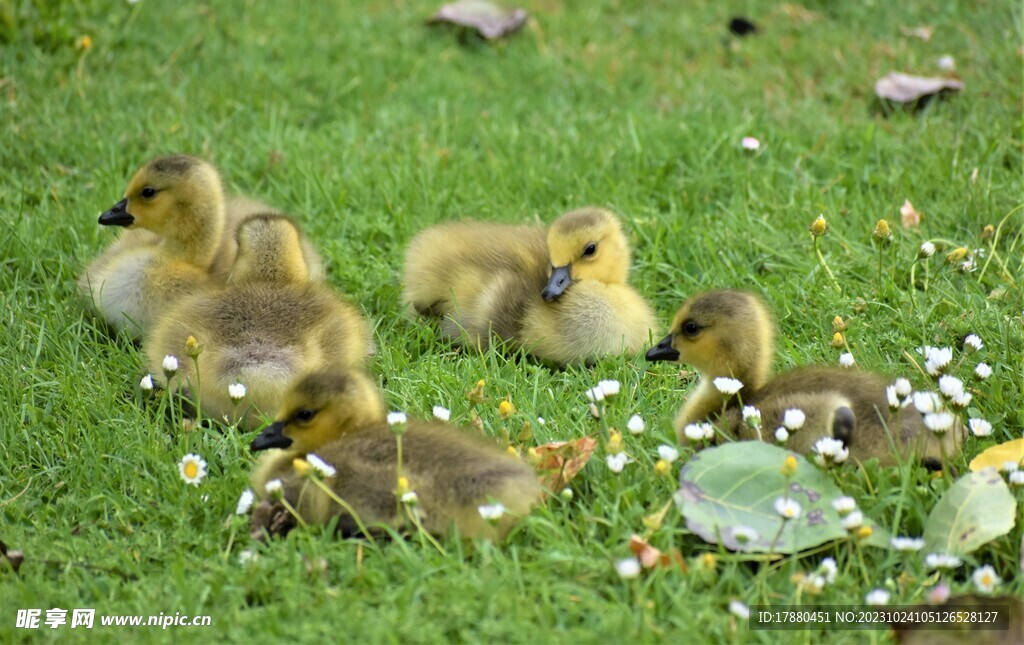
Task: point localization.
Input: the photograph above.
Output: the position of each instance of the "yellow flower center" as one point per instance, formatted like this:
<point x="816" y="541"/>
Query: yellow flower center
<point x="191" y="469"/>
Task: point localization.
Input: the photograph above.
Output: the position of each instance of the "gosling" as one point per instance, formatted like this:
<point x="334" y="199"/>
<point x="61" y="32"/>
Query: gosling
<point x="179" y="238"/>
<point x="340" y="416"/>
<point x="728" y="333"/>
<point x="269" y="324"/>
<point x="560" y="294"/>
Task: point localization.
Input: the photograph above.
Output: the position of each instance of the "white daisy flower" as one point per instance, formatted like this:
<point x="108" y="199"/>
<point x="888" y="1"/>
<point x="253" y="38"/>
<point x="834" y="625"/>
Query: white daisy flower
<point x="877" y="597"/>
<point x="979" y="427"/>
<point x="852" y="521"/>
<point x="146" y="383"/>
<point x="950" y="386"/>
<point x="982" y="371"/>
<point x="320" y="466"/>
<point x="595" y="394"/>
<point x="739" y="610"/>
<point x="245" y="501"/>
<point x="728" y="386"/>
<point x="985" y="578"/>
<point x="491" y="512"/>
<point x="844" y="505"/>
<point x="903" y="387"/>
<point x="926" y="251"/>
<point x="941" y="561"/>
<point x="750" y="144"/>
<point x="192" y="468"/>
<point x="846" y="359"/>
<point x="781" y="435"/>
<point x="610" y="387"/>
<point x="636" y="425"/>
<point x="247" y="556"/>
<point x="410" y="498"/>
<point x="927" y="402"/>
<point x="972" y="343"/>
<point x="961" y="400"/>
<point x="274" y="488"/>
<point x="170" y="365"/>
<point x="1009" y="467"/>
<point x="744" y="534"/>
<point x="793" y="419"/>
<point x="937" y="359"/>
<point x="752" y="416"/>
<point x="668" y="453"/>
<point x="938" y="422"/>
<point x="828" y="569"/>
<point x="907" y="543"/>
<point x="541" y="421"/>
<point x="442" y="413"/>
<point x="893" y="398"/>
<point x="1016" y="478"/>
<point x="829" y="450"/>
<point x="628" y="568"/>
<point x="699" y="431"/>
<point x="813" y="582"/>
<point x="946" y="63"/>
<point x="789" y="509"/>
<point x="617" y="462"/>
<point x="236" y="391"/>
<point x="397" y="418"/>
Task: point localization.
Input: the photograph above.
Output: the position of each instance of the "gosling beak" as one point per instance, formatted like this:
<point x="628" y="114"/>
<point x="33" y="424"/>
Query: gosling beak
<point x="117" y="215"/>
<point x="271" y="437"/>
<point x="663" y="351"/>
<point x="557" y="284"/>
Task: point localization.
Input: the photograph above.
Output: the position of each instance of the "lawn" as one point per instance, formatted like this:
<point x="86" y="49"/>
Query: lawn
<point x="368" y="126"/>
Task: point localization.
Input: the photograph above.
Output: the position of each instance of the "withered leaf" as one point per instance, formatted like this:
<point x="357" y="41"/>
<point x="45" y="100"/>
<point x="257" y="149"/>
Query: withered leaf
<point x="904" y="88"/>
<point x="486" y="18"/>
<point x="560" y="461"/>
<point x="651" y="557"/>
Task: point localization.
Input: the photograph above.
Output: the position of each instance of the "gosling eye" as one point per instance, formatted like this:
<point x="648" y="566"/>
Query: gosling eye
<point x="148" y="192"/>
<point x="590" y="250"/>
<point x="690" y="328"/>
<point x="305" y="415"/>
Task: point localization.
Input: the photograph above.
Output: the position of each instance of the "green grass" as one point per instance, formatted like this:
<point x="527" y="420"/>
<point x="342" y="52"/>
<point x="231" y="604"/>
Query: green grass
<point x="369" y="126"/>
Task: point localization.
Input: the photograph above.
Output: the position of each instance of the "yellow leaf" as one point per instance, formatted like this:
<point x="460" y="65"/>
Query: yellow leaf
<point x="996" y="456"/>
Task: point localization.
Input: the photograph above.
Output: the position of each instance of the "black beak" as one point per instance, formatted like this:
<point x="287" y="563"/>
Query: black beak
<point x="271" y="437"/>
<point x="557" y="284"/>
<point x="663" y="351"/>
<point x="117" y="215"/>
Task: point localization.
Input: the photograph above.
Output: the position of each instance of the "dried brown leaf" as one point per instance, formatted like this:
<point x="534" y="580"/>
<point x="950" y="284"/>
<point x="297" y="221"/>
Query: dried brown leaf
<point x="904" y="88"/>
<point x="486" y="18"/>
<point x="560" y="461"/>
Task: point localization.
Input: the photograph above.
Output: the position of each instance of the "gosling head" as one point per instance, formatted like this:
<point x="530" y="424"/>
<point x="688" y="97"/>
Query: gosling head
<point x="269" y="248"/>
<point x="722" y="333"/>
<point x="169" y="196"/>
<point x="321" y="407"/>
<point x="586" y="244"/>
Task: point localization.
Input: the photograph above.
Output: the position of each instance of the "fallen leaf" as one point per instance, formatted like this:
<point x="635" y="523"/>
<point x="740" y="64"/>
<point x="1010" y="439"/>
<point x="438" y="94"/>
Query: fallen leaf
<point x="560" y="461"/>
<point x="651" y="557"/>
<point x="924" y="32"/>
<point x="909" y="217"/>
<point x="977" y="509"/>
<point x="487" y="19"/>
<point x="904" y="88"/>
<point x="998" y="455"/>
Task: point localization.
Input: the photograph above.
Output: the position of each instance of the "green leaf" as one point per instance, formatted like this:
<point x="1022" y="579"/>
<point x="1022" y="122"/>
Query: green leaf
<point x="736" y="485"/>
<point x="976" y="510"/>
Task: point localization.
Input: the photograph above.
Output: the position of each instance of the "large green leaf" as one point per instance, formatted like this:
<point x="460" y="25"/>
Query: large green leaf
<point x="736" y="485"/>
<point x="976" y="510"/>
